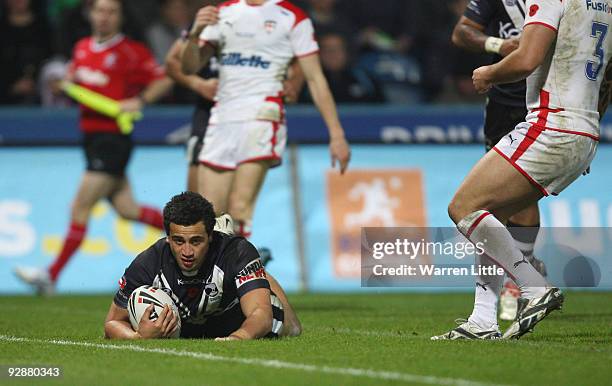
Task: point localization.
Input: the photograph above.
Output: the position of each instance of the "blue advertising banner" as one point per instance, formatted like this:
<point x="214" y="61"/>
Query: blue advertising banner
<point x="363" y="124"/>
<point x="388" y="185"/>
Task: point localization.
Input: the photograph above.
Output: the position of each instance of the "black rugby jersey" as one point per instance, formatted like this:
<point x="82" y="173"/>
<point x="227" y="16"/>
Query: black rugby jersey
<point x="231" y="269"/>
<point x="503" y="19"/>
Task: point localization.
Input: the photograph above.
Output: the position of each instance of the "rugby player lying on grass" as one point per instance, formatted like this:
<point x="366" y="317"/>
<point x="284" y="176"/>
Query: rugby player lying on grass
<point x="217" y="281"/>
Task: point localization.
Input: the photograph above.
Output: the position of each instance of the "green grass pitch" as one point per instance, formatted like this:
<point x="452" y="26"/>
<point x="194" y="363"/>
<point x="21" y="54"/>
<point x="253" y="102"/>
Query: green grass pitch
<point x="373" y="339"/>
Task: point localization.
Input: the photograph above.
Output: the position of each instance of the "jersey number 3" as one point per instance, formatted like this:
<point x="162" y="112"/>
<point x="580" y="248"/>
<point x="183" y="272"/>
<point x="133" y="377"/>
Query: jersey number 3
<point x="599" y="32"/>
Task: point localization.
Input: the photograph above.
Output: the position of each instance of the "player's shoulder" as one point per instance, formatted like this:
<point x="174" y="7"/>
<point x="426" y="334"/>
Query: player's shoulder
<point x="134" y="45"/>
<point x="152" y="257"/>
<point x="83" y="43"/>
<point x="232" y="247"/>
<point x="297" y="13"/>
<point x="228" y="3"/>
<point x="229" y="6"/>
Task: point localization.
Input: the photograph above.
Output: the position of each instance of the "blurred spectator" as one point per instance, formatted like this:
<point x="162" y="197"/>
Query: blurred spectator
<point x="74" y="25"/>
<point x="57" y="7"/>
<point x="161" y="35"/>
<point x="326" y="18"/>
<point x="26" y="42"/>
<point x="388" y="25"/>
<point x="348" y="84"/>
<point x="435" y="25"/>
<point x="51" y="95"/>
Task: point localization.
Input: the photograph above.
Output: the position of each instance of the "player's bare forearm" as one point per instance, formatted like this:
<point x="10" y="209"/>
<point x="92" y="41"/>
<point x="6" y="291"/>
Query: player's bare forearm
<point x="469" y="35"/>
<point x="536" y="42"/>
<point x="191" y="58"/>
<point x="258" y="324"/>
<point x="117" y="325"/>
<point x="116" y="329"/>
<point x="257" y="310"/>
<point x="156" y="90"/>
<point x="173" y="65"/>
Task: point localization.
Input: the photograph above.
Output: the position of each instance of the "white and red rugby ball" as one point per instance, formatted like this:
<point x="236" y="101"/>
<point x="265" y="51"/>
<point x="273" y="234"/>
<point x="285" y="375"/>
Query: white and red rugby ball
<point x="146" y="295"/>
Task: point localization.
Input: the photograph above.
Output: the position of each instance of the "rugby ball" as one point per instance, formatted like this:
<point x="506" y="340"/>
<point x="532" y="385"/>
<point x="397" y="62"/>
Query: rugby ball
<point x="146" y="295"/>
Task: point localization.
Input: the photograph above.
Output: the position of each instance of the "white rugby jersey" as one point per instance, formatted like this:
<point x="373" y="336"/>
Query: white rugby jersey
<point x="256" y="45"/>
<point x="563" y="92"/>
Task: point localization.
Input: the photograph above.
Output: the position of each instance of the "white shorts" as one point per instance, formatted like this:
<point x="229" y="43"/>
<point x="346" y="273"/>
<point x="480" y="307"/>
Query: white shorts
<point x="228" y="145"/>
<point x="551" y="160"/>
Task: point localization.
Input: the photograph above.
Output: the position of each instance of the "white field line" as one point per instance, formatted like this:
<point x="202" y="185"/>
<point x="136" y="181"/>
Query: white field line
<point x="270" y="363"/>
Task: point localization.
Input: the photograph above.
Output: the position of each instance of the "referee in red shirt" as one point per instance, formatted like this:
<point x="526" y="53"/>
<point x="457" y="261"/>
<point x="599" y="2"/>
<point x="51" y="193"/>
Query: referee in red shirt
<point x="115" y="66"/>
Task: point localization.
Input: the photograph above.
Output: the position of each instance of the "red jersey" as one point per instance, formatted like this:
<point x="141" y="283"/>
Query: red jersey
<point x="119" y="68"/>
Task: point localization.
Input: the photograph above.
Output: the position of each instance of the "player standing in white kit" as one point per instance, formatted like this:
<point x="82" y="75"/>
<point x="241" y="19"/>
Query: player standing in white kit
<point x="255" y="41"/>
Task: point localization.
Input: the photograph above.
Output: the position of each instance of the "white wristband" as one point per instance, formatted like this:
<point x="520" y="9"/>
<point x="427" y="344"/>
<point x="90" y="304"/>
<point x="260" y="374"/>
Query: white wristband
<point x="493" y="45"/>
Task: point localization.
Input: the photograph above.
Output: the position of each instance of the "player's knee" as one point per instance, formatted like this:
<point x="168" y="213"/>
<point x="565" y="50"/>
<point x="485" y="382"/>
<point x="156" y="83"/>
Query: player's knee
<point x="456" y="210"/>
<point x="79" y="211"/>
<point x="127" y="213"/>
<point x="238" y="208"/>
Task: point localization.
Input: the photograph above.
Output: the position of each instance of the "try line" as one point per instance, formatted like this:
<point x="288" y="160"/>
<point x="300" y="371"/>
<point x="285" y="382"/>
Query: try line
<point x="271" y="363"/>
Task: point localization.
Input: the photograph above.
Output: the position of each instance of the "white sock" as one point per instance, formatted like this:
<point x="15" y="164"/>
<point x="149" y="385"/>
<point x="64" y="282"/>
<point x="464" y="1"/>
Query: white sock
<point x="483" y="229"/>
<point x="488" y="288"/>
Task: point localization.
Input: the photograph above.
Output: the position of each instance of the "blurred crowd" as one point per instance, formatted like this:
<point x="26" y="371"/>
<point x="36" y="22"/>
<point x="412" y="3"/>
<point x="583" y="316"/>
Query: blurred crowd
<point x="388" y="51"/>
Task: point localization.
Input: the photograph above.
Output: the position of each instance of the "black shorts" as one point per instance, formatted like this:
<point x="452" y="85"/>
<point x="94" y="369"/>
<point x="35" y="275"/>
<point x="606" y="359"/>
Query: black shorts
<point x="199" y="123"/>
<point x="500" y="120"/>
<point x="223" y="325"/>
<point x="107" y="152"/>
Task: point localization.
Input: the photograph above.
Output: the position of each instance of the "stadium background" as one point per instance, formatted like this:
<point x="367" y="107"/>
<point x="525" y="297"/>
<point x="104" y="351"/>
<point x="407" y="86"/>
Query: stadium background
<point x="406" y="102"/>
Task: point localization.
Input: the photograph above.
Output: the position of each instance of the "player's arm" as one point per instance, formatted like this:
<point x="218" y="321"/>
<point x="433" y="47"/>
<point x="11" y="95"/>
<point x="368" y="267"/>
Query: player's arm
<point x="207" y="88"/>
<point x="257" y="310"/>
<point x="470" y="36"/>
<point x="151" y="94"/>
<point x="536" y="42"/>
<point x="194" y="55"/>
<point x="323" y="99"/>
<point x="292" y="86"/>
<point x="117" y="324"/>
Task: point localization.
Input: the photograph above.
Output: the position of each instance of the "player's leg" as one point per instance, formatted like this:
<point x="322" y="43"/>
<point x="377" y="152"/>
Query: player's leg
<point x="524" y="228"/>
<point x="199" y="123"/>
<point x="247" y="183"/>
<point x="500" y="120"/>
<point x="93" y="187"/>
<point x="215" y="184"/>
<point x="261" y="147"/>
<point x="491" y="192"/>
<point x="291" y="323"/>
<point x="126" y="206"/>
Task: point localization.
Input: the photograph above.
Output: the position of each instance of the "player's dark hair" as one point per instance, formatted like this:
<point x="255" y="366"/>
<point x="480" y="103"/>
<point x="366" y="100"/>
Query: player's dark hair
<point x="189" y="208"/>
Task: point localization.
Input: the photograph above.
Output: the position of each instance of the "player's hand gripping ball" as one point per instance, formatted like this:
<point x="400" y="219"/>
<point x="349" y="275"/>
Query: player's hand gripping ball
<point x="142" y="298"/>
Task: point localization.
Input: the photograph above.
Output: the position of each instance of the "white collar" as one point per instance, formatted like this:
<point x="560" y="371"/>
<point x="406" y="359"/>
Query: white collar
<point x="98" y="47"/>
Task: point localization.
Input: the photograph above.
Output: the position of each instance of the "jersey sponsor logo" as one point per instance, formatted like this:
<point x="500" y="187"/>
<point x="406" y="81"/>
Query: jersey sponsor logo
<point x="508" y="30"/>
<point x="91" y="77"/>
<point x="253" y="271"/>
<point x="122" y="282"/>
<point x="180" y="281"/>
<point x="533" y="10"/>
<point x="236" y="59"/>
<point x="597" y="6"/>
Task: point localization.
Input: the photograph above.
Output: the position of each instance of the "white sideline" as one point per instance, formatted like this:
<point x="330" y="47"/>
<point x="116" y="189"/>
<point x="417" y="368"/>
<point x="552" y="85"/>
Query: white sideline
<point x="272" y="363"/>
